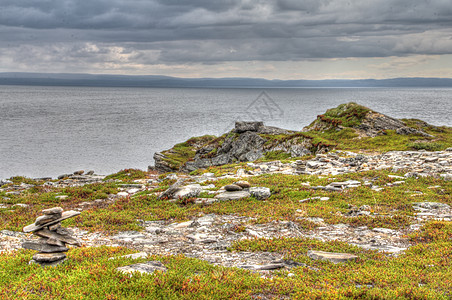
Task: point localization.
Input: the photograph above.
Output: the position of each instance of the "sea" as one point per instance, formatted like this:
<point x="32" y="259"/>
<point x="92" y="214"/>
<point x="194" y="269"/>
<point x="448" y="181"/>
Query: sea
<point x="46" y="131"/>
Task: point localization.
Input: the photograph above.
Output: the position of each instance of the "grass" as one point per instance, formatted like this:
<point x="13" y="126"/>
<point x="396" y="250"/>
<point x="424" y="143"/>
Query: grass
<point x="391" y="208"/>
<point x="422" y="272"/>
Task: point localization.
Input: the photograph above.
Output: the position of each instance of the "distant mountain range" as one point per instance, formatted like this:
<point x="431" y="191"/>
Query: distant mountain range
<point x="55" y="79"/>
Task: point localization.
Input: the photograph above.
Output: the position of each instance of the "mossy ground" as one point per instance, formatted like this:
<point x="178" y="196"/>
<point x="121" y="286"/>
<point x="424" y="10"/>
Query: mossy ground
<point x="422" y="272"/>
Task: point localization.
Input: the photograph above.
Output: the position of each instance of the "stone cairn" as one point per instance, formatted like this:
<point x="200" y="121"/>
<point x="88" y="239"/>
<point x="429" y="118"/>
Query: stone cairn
<point x="53" y="237"/>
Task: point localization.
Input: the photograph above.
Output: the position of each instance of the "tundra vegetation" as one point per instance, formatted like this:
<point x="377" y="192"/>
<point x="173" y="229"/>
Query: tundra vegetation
<point x="423" y="271"/>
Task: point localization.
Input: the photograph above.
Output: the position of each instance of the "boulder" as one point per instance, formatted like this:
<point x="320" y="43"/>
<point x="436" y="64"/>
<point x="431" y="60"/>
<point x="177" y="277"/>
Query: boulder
<point x="260" y="193"/>
<point x="232" y="195"/>
<point x="188" y="191"/>
<point x="233" y="187"/>
<point x="243" y="184"/>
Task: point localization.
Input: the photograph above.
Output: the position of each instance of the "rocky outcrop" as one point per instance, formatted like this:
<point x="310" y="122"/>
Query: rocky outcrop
<point x="365" y="122"/>
<point x="248" y="141"/>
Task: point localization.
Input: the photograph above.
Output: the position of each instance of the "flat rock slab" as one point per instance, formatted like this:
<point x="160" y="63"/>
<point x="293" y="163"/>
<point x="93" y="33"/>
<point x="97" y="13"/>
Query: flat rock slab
<point x="47" y="264"/>
<point x="42" y="220"/>
<point x="59" y="237"/>
<point x="331" y="256"/>
<point x="49" y="257"/>
<point x="65" y="215"/>
<point x="53" y="210"/>
<point x="232" y="195"/>
<point x="147" y="267"/>
<point x="43" y="247"/>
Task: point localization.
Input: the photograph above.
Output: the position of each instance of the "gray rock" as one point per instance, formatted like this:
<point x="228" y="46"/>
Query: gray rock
<point x="65" y="215"/>
<point x="232" y="187"/>
<point x="447" y="177"/>
<point x="241" y="127"/>
<point x="41" y="220"/>
<point x="331" y="256"/>
<point x="144" y="268"/>
<point x="243" y="184"/>
<point x="431" y="205"/>
<point x="260" y="193"/>
<point x="49" y="257"/>
<point x="128" y="235"/>
<point x="409" y="130"/>
<point x="172" y="189"/>
<point x="232" y="195"/>
<point x="53" y="211"/>
<point x="59" y="237"/>
<point x="188" y="191"/>
<point x="48" y="264"/>
<point x="43" y="247"/>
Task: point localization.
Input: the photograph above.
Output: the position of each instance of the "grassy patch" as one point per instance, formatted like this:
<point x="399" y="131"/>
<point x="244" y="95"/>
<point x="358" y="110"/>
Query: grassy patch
<point x="127" y="175"/>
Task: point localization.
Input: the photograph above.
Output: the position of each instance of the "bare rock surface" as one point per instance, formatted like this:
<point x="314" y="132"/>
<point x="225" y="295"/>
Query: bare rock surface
<point x="331" y="256"/>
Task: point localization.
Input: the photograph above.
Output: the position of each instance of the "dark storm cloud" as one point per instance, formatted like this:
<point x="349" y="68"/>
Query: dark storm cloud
<point x="232" y="30"/>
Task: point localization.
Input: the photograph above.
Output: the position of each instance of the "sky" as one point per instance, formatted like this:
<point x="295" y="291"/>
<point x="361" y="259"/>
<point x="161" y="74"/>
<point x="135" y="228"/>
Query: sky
<point x="272" y="39"/>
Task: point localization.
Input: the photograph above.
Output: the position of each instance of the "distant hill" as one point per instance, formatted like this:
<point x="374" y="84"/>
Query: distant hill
<point x="55" y="79"/>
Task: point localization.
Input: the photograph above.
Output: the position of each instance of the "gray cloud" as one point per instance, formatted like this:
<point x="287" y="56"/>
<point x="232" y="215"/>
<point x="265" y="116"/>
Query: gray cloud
<point x="205" y="31"/>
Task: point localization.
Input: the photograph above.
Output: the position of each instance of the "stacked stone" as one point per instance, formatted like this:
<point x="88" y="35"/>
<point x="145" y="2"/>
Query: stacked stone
<point x="52" y="237"/>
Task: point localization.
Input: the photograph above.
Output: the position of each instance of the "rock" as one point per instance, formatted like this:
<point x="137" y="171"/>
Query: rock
<point x="79" y="172"/>
<point x="331" y="256"/>
<point x="431" y="205"/>
<point x="147" y="267"/>
<point x="241" y="127"/>
<point x="41" y="220"/>
<point x="53" y="235"/>
<point x="61" y="197"/>
<point x="53" y="211"/>
<point x="447" y="177"/>
<point x="232" y="195"/>
<point x="243" y="184"/>
<point x="49" y="257"/>
<point x="260" y="193"/>
<point x="188" y="191"/>
<point x="232" y="187"/>
<point x="128" y="236"/>
<point x="168" y="194"/>
<point x="122" y="194"/>
<point x="5" y="181"/>
<point x="65" y="215"/>
<point x="384" y="230"/>
<point x="62" y="176"/>
<point x="409" y="130"/>
<point x="91" y="172"/>
<point x="43" y="247"/>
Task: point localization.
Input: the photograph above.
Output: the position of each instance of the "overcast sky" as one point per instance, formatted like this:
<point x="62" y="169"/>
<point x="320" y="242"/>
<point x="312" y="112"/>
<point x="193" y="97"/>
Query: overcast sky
<point x="283" y="39"/>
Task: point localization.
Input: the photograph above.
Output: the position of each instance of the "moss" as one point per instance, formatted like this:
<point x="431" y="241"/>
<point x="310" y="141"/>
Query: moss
<point x="177" y="156"/>
<point x="127" y="175"/>
<point x="276" y="155"/>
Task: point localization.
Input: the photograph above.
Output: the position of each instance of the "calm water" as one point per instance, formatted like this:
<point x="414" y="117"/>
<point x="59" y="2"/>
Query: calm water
<point x="47" y="131"/>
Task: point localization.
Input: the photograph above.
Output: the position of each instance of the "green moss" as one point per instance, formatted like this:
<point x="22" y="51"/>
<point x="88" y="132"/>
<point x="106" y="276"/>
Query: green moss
<point x="276" y="155"/>
<point x="127" y="175"/>
<point x="177" y="156"/>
